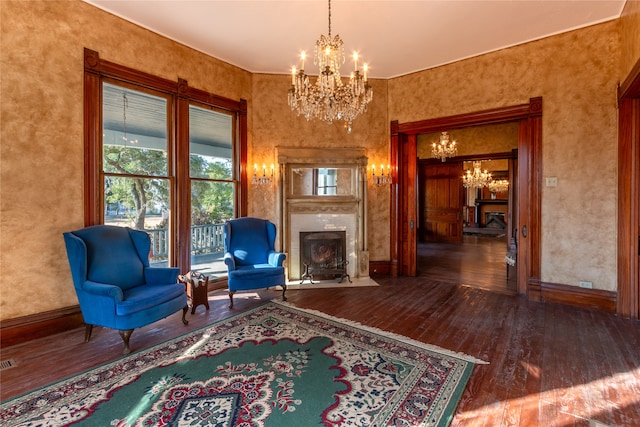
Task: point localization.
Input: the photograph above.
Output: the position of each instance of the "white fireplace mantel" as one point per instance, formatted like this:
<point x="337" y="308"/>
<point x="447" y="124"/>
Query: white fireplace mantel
<point x="299" y="210"/>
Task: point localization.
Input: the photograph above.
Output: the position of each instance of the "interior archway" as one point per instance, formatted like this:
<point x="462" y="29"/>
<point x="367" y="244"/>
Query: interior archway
<point x="404" y="212"/>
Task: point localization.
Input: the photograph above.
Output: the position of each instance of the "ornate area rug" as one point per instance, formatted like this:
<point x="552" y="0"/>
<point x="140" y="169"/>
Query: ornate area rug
<point x="275" y="365"/>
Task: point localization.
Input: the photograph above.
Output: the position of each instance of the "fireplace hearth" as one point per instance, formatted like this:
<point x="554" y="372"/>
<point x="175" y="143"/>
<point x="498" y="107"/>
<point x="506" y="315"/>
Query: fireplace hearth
<point x="322" y="256"/>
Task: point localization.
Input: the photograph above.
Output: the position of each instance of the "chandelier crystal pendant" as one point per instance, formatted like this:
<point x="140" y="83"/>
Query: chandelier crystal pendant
<point x="329" y="98"/>
<point x="478" y="178"/>
<point x="446" y="148"/>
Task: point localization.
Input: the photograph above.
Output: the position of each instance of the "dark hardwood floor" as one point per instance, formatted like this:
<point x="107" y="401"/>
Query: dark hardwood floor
<point x="479" y="261"/>
<point x="549" y="365"/>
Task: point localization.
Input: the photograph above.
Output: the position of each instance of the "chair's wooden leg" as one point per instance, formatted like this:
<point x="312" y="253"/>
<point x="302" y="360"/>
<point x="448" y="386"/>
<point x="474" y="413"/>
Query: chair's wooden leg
<point x="284" y="289"/>
<point x="125" y="337"/>
<point x="184" y="314"/>
<point x="231" y="298"/>
<point x="87" y="332"/>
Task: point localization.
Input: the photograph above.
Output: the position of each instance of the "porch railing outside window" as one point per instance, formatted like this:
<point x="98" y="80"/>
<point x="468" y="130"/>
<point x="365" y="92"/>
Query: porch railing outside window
<point x="207" y="247"/>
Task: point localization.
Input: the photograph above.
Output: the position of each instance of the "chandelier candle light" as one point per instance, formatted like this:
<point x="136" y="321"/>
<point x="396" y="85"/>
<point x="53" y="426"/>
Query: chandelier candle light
<point x="329" y="98"/>
<point x="478" y="178"/>
<point x="446" y="147"/>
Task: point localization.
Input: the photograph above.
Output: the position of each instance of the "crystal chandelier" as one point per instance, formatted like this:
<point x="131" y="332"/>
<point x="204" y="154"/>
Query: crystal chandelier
<point x="478" y="178"/>
<point x="329" y="98"/>
<point x="498" y="186"/>
<point x="446" y="148"/>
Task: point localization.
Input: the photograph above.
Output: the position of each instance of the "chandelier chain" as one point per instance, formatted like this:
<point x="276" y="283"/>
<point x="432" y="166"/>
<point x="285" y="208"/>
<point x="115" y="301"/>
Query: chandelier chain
<point x="329" y="19"/>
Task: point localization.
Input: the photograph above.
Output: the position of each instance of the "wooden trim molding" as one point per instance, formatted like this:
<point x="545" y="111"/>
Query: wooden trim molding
<point x="630" y="87"/>
<point x="628" y="195"/>
<point x="380" y="268"/>
<point x="394" y="199"/>
<point x="27" y="328"/>
<point x="591" y="299"/>
<point x="486" y="117"/>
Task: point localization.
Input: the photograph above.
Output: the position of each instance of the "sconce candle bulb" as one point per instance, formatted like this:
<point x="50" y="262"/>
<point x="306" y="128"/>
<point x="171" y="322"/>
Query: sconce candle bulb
<point x="382" y="178"/>
<point x="264" y="179"/>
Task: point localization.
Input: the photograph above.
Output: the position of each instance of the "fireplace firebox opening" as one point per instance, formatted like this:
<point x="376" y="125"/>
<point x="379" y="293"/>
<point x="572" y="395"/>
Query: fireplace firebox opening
<point x="322" y="255"/>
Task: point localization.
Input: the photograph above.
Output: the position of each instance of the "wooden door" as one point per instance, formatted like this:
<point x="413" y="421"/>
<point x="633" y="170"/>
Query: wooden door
<point x="441" y="202"/>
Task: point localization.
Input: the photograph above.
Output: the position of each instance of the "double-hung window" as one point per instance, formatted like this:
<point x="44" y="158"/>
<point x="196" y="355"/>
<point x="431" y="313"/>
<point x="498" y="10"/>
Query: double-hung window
<point x="164" y="158"/>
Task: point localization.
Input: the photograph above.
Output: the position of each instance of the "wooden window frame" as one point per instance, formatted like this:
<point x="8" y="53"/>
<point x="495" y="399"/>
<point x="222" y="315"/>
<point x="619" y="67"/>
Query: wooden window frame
<point x="95" y="71"/>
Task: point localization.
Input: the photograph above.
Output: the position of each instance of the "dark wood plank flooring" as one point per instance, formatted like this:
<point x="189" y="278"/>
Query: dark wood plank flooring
<point x="550" y="365"/>
<point x="478" y="261"/>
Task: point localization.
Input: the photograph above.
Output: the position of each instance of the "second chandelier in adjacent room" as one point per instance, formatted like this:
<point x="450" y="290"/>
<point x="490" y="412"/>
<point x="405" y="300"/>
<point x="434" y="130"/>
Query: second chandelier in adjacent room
<point x="478" y="178"/>
<point x="445" y="148"/>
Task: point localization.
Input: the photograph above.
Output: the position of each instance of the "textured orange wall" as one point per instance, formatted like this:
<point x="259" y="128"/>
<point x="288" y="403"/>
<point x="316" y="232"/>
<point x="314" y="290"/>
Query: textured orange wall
<point x="576" y="74"/>
<point x="629" y="36"/>
<point x="500" y="138"/>
<point x="274" y="125"/>
<point x="41" y="173"/>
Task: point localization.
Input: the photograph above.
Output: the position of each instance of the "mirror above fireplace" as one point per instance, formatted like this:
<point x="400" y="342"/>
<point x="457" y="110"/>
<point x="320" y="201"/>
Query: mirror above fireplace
<point x="321" y="181"/>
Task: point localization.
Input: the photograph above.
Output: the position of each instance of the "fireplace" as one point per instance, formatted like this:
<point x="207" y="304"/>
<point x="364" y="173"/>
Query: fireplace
<point x="323" y="256"/>
<point x="323" y="190"/>
<point x="495" y="220"/>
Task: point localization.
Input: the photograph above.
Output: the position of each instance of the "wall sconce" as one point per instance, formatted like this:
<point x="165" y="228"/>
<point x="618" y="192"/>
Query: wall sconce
<point x="382" y="178"/>
<point x="264" y="179"/>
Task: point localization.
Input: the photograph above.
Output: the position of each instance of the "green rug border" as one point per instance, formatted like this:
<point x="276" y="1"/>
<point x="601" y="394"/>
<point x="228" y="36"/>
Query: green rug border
<point x="452" y="404"/>
<point x="133" y="353"/>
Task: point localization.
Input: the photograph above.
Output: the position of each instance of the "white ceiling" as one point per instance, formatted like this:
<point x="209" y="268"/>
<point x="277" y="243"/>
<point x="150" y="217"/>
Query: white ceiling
<point x="394" y="37"/>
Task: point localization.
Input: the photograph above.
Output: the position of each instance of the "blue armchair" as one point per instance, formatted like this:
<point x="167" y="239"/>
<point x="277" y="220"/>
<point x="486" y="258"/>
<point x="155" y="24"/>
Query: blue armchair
<point x="115" y="286"/>
<point x="250" y="257"/>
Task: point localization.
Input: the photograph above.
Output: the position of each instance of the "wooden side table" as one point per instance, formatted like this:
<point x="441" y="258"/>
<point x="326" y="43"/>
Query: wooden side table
<point x="196" y="285"/>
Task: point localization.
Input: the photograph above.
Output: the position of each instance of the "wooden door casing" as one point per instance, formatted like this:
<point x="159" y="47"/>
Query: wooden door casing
<point x="528" y="210"/>
<point x="628" y="297"/>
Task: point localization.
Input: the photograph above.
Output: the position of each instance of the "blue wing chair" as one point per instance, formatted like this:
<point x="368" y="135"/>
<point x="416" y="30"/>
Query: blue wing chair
<point x="115" y="286"/>
<point x="250" y="257"/>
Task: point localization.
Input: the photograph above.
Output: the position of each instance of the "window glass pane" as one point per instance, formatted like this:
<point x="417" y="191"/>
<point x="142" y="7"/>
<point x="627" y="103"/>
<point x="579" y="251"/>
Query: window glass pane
<point x="134" y="132"/>
<point x="142" y="204"/>
<point x="211" y="144"/>
<point x="326" y="181"/>
<point x="211" y="206"/>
